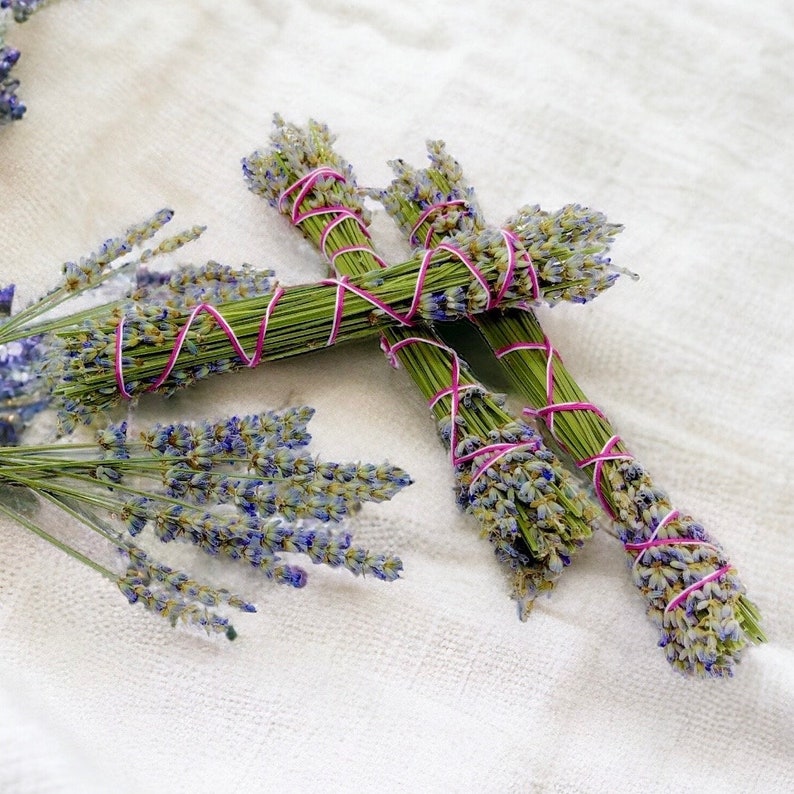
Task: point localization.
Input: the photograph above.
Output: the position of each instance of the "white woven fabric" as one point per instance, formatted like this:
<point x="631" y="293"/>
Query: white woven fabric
<point x="676" y="120"/>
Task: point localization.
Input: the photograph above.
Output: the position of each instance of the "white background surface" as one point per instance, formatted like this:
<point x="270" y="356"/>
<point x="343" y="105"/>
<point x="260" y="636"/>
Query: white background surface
<point x="676" y="120"/>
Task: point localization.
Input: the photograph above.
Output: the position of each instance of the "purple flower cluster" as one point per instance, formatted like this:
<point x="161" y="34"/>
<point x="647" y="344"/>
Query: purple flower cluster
<point x="19" y="397"/>
<point x="11" y="109"/>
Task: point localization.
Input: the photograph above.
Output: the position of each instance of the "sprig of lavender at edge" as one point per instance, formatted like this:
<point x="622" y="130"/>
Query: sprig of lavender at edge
<point x="525" y="502"/>
<point x="11" y="109"/>
<point x="694" y="595"/>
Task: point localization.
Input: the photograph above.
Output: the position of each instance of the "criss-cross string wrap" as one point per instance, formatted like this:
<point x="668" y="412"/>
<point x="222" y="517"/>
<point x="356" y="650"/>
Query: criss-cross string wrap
<point x="607" y="453"/>
<point x="513" y="244"/>
<point x="654" y="541"/>
<point x="492" y="452"/>
<point x="203" y="308"/>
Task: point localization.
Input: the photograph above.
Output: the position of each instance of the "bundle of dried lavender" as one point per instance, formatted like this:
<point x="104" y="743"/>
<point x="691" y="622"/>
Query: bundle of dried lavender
<point x="693" y="593"/>
<point x="244" y="488"/>
<point x="527" y="505"/>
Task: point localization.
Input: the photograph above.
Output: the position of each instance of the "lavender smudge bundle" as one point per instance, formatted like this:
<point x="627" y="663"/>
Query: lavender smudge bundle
<point x="117" y="352"/>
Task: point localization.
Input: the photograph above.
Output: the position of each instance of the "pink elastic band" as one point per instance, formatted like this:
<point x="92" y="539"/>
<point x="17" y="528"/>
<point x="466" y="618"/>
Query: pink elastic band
<point x="202" y="308"/>
<point x="349" y="249"/>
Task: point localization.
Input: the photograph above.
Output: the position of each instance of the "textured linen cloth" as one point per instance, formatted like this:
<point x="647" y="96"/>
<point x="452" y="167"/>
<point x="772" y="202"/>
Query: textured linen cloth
<point x="675" y="120"/>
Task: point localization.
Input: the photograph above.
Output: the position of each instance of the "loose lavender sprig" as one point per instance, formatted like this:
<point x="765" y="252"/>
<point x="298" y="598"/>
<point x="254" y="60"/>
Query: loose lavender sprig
<point x="525" y="503"/>
<point x="113" y="258"/>
<point x="694" y="594"/>
<point x="245" y="489"/>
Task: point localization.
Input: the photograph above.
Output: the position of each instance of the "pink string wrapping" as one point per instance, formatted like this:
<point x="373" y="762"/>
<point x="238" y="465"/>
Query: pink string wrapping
<point x="547" y="413"/>
<point x="512" y="243"/>
<point x="425" y="216"/>
<point x="305" y="184"/>
<point x="684" y="594"/>
<point x="551" y="408"/>
<point x="493" y="452"/>
<point x="342" y="285"/>
<point x="653" y="541"/>
<point x="250" y="361"/>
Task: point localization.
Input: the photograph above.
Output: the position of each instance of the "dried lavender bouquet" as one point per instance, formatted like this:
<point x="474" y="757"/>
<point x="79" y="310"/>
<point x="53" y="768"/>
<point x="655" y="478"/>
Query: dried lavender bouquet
<point x="244" y="488"/>
<point x="526" y="503"/>
<point x="693" y="592"/>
